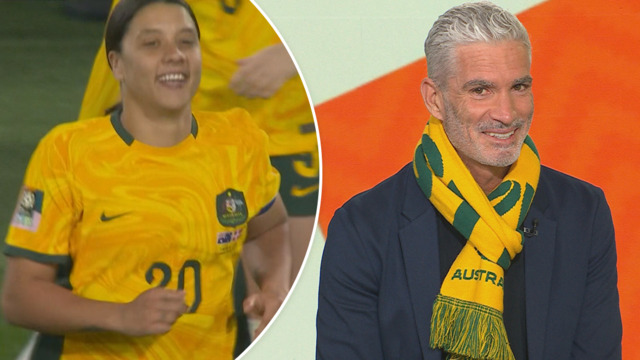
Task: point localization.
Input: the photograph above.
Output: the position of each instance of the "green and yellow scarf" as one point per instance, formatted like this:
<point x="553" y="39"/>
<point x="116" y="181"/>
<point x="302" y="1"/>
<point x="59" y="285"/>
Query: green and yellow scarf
<point x="467" y="314"/>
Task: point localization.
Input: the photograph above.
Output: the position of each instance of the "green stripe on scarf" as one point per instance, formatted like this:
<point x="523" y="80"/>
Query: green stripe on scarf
<point x="465" y="219"/>
<point x="467" y="314"/>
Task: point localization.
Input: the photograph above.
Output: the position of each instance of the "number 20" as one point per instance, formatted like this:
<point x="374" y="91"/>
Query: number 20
<point x="166" y="277"/>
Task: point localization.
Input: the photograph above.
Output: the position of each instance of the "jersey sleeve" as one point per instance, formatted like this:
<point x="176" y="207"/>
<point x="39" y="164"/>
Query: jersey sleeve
<point x="46" y="211"/>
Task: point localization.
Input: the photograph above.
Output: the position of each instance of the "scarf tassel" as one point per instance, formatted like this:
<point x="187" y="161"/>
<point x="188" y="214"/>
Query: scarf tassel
<point x="468" y="330"/>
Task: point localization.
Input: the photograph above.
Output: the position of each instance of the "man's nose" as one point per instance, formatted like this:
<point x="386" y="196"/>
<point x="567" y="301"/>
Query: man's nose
<point x="504" y="109"/>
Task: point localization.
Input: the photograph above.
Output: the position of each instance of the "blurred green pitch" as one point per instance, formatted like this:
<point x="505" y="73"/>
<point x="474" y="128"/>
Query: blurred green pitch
<point x="45" y="60"/>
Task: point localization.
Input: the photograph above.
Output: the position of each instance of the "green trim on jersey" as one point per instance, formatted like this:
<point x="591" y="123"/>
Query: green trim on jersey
<point x="128" y="138"/>
<point x="36" y="256"/>
<point x="120" y="130"/>
<point x="64" y="262"/>
<point x="48" y="347"/>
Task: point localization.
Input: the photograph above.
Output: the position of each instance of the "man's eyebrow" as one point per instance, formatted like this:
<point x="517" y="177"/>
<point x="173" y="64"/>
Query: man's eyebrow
<point x="523" y="80"/>
<point x="488" y="84"/>
<point x="477" y="83"/>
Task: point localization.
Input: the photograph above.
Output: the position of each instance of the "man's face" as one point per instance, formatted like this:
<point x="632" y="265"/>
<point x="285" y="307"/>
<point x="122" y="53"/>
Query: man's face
<point x="160" y="62"/>
<point x="488" y="103"/>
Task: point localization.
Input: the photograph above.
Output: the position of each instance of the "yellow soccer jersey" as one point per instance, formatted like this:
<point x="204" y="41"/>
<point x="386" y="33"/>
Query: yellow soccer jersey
<point x="229" y="31"/>
<point x="127" y="217"/>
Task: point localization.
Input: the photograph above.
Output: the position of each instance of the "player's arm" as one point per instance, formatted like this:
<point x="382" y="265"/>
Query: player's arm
<point x="32" y="299"/>
<point x="262" y="74"/>
<point x="268" y="257"/>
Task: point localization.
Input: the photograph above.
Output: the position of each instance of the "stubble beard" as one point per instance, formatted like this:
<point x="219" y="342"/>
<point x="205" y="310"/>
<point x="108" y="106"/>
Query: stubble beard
<point x="464" y="145"/>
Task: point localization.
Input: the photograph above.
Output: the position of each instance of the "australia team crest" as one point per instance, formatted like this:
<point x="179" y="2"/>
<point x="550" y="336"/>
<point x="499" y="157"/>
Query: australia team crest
<point x="231" y="208"/>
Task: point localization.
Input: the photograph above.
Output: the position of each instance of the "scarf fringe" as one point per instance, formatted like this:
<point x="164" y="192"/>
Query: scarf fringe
<point x="468" y="330"/>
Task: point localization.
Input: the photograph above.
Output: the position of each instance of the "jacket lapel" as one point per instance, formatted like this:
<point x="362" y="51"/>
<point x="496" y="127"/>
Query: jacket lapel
<point x="538" y="254"/>
<point x="418" y="240"/>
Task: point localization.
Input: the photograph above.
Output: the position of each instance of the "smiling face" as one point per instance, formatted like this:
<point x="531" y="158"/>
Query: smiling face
<point x="488" y="103"/>
<point x="160" y="63"/>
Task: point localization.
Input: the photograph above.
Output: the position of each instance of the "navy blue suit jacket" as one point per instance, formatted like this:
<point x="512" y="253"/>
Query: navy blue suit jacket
<point x="380" y="274"/>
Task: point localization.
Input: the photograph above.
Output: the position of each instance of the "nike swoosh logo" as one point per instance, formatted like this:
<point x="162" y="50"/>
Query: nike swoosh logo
<point x="301" y="192"/>
<point x="105" y="218"/>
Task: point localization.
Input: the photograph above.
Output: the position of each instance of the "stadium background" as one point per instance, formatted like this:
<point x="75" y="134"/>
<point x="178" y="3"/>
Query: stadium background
<point x="362" y="63"/>
<point x="45" y="59"/>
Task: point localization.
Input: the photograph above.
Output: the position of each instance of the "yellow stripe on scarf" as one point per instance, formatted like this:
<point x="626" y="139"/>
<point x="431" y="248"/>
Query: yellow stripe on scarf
<point x="467" y="314"/>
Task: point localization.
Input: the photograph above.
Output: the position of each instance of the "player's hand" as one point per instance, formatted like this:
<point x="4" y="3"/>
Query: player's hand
<point x="262" y="74"/>
<point x="262" y="305"/>
<point x="152" y="312"/>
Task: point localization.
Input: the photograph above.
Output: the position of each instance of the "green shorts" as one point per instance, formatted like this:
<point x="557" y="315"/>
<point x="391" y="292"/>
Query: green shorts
<point x="299" y="183"/>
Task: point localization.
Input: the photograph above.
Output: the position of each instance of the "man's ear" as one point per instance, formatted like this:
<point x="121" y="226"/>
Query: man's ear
<point x="433" y="98"/>
<point x="116" y="65"/>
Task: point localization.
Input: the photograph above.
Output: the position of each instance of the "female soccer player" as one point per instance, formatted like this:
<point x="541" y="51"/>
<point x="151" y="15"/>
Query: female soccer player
<point x="128" y="228"/>
<point x="245" y="64"/>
